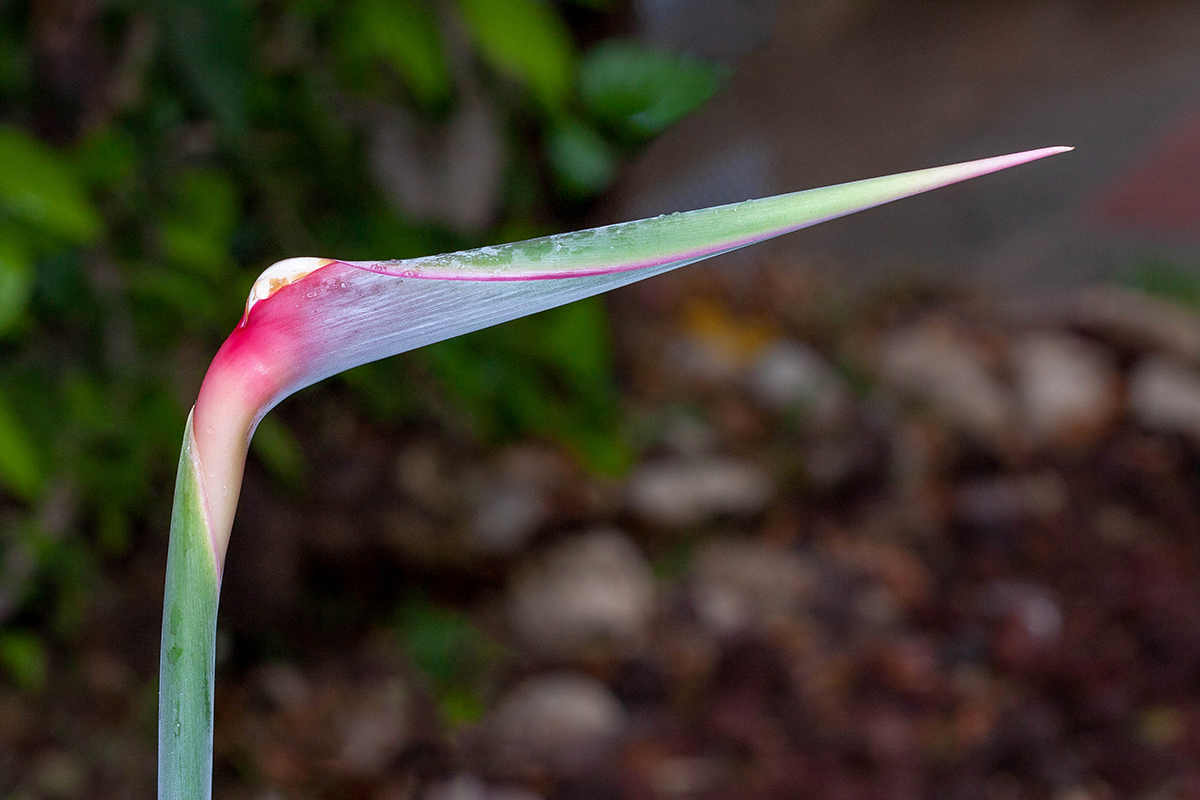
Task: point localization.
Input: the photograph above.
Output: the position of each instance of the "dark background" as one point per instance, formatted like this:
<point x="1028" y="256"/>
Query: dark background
<point x="902" y="506"/>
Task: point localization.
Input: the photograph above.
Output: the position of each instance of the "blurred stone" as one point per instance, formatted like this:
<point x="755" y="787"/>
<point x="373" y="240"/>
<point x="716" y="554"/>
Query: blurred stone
<point x="518" y="501"/>
<point x="285" y="686"/>
<point x="558" y="725"/>
<point x="58" y="775"/>
<point x="1032" y="604"/>
<point x="588" y="595"/>
<point x="1068" y="388"/>
<point x="931" y="362"/>
<point x="1120" y="525"/>
<point x="697" y="359"/>
<point x="1165" y="396"/>
<point x="1009" y="500"/>
<point x="991" y="503"/>
<point x="1045" y="494"/>
<point x="876" y="607"/>
<point x="916" y="453"/>
<point x="463" y="786"/>
<point x="512" y="792"/>
<point x="687" y="436"/>
<point x="791" y="376"/>
<point x="716" y="344"/>
<point x="468" y="786"/>
<point x="422" y="473"/>
<point x="910" y="664"/>
<point x="107" y="672"/>
<point x="1027" y="620"/>
<point x="684" y="776"/>
<point x="508" y="516"/>
<point x="1079" y="793"/>
<point x="740" y="585"/>
<point x="905" y="581"/>
<point x="676" y="494"/>
<point x="854" y="456"/>
<point x="1000" y="504"/>
<point x="374" y="731"/>
<point x="890" y="734"/>
<point x="1134" y="320"/>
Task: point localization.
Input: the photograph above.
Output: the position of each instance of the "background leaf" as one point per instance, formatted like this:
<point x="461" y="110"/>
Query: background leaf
<point x="23" y="659"/>
<point x="20" y="470"/>
<point x="404" y="34"/>
<point x="527" y="40"/>
<point x="583" y="160"/>
<point x="38" y="186"/>
<point x="197" y="231"/>
<point x="637" y="91"/>
<point x="210" y="41"/>
<point x="16" y="276"/>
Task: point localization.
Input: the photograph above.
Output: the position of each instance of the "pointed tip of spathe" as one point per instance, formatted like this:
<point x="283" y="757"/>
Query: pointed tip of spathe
<point x="1043" y="152"/>
<point x="1040" y="152"/>
<point x="983" y="166"/>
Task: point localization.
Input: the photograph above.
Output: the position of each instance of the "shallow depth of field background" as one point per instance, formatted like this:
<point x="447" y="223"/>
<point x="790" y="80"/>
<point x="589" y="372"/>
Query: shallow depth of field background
<point x="904" y="506"/>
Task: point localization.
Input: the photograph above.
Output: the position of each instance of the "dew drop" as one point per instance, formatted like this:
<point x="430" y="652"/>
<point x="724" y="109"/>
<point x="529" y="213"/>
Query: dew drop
<point x="224" y="491"/>
<point x="209" y="429"/>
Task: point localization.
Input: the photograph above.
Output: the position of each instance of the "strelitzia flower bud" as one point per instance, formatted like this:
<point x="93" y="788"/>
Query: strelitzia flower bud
<point x="309" y="318"/>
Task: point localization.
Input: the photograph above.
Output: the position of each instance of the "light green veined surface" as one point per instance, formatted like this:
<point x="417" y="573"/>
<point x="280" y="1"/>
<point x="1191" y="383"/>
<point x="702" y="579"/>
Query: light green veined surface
<point x="187" y="659"/>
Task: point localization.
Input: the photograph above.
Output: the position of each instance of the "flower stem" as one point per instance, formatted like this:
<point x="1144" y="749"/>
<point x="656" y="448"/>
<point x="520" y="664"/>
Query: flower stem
<point x="187" y="661"/>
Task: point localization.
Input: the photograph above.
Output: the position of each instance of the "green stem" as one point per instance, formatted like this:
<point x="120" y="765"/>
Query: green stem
<point x="187" y="661"/>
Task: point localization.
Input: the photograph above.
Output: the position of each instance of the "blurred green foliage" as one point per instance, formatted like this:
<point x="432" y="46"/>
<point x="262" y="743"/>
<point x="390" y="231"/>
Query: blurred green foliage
<point x="155" y="157"/>
<point x="456" y="657"/>
<point x="1166" y="279"/>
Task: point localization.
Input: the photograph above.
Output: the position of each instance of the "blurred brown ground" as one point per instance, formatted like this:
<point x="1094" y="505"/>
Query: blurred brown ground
<point x="936" y="596"/>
